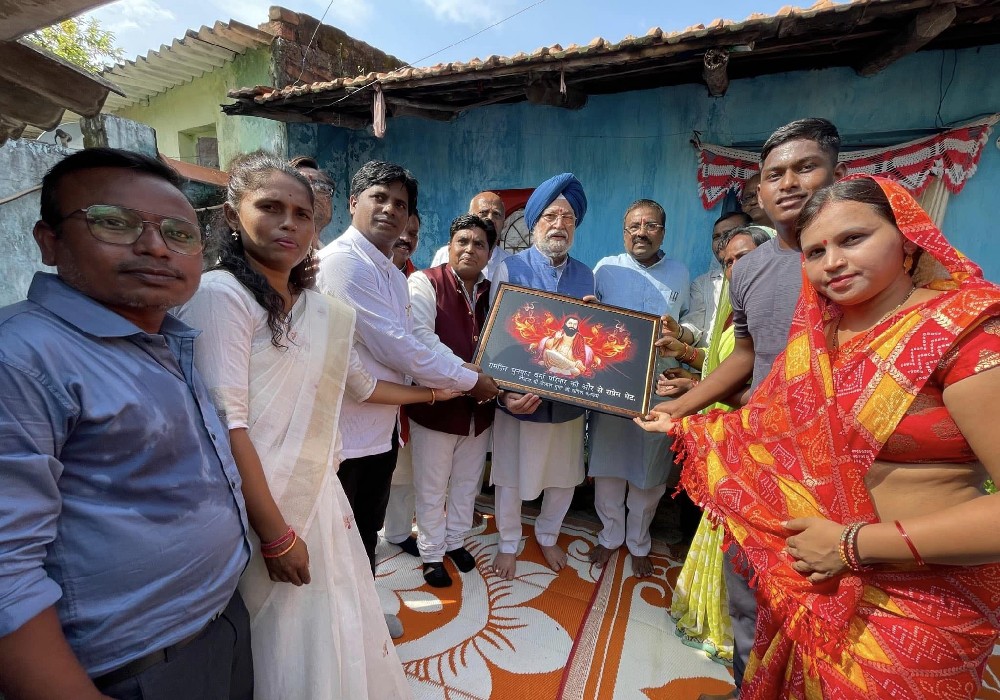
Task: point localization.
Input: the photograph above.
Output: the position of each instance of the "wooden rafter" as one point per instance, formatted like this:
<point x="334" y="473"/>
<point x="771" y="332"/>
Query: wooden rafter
<point x="925" y="27"/>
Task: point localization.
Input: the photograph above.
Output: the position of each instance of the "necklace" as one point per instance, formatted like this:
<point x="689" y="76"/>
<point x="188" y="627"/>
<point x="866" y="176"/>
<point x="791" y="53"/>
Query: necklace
<point x="890" y="312"/>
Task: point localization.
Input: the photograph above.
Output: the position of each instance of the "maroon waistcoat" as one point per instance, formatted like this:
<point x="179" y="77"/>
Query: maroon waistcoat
<point x="458" y="327"/>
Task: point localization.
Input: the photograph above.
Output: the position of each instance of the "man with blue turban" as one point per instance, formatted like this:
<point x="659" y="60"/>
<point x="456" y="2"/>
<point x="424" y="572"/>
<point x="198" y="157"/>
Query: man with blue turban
<point x="541" y="451"/>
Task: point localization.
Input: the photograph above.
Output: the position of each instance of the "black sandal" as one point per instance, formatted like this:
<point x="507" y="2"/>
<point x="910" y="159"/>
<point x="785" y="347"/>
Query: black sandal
<point x="436" y="575"/>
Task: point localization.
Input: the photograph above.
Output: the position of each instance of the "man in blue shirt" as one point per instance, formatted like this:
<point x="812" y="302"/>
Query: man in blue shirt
<point x="623" y="458"/>
<point x="122" y="524"/>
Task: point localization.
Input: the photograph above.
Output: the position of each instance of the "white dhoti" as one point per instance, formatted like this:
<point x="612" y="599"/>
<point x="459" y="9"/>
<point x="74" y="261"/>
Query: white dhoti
<point x="529" y="458"/>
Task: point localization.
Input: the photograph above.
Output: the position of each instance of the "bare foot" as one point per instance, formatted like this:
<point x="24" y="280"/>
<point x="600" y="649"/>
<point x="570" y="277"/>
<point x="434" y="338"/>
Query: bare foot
<point x="505" y="565"/>
<point x="642" y="566"/>
<point x="599" y="555"/>
<point x="731" y="695"/>
<point x="554" y="556"/>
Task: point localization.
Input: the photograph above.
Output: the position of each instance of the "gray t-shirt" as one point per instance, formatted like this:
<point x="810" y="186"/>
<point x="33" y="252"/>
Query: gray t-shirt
<point x="764" y="290"/>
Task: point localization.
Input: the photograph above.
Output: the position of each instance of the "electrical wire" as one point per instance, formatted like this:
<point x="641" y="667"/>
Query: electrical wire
<point x="421" y="60"/>
<point x="305" y="54"/>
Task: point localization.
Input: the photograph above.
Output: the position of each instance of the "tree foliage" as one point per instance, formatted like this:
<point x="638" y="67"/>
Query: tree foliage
<point x="81" y="41"/>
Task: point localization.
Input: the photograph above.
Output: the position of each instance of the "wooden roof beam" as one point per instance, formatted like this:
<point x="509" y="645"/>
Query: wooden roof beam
<point x="24" y="105"/>
<point x="547" y="92"/>
<point x="408" y="110"/>
<point x="924" y="28"/>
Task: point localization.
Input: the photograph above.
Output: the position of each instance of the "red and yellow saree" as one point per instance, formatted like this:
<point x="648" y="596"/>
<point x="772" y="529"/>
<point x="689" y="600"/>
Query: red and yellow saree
<point x="801" y="448"/>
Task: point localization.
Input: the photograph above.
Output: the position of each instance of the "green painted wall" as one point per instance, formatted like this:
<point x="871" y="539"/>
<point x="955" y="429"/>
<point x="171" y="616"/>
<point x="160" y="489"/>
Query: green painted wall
<point x="195" y="105"/>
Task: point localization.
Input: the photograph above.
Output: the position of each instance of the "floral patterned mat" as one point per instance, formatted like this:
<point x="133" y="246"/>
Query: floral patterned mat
<point x="543" y="635"/>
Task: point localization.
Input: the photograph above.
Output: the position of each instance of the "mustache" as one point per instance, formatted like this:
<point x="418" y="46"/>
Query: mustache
<point x="402" y="244"/>
<point x="636" y="239"/>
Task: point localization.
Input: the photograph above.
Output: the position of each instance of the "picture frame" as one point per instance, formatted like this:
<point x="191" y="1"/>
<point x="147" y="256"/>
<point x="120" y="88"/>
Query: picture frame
<point x="604" y="361"/>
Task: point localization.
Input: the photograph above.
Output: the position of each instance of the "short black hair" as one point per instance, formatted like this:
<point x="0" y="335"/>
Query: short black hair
<point x="649" y="204"/>
<point x="467" y="221"/>
<point x="816" y="129"/>
<point x="90" y="158"/>
<point x="728" y="215"/>
<point x="379" y="172"/>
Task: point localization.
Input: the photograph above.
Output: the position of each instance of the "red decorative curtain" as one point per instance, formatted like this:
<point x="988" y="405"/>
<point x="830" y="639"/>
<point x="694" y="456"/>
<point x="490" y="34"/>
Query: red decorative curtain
<point x="953" y="155"/>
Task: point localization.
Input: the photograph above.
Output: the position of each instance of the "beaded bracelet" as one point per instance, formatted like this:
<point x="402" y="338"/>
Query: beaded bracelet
<point x="286" y="550"/>
<point x="853" y="557"/>
<point x="275" y="544"/>
<point x="847" y="548"/>
<point x="842" y="546"/>
<point x="909" y="543"/>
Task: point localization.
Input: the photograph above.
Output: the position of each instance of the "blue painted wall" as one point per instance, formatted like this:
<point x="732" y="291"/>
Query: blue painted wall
<point x="637" y="144"/>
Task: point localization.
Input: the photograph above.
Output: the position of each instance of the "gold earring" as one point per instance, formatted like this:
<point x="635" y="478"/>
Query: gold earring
<point x="908" y="263"/>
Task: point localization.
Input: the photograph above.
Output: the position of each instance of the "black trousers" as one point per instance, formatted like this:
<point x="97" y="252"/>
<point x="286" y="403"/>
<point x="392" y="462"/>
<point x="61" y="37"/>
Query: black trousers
<point x="366" y="482"/>
<point x="216" y="666"/>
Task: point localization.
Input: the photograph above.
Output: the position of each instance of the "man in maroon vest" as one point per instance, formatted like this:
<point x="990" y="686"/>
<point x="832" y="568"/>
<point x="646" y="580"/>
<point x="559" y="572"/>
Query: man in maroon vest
<point x="450" y="440"/>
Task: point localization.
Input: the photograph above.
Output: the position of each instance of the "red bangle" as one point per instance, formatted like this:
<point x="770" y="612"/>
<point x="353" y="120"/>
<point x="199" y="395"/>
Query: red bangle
<point x="283" y="552"/>
<point x="289" y="534"/>
<point x="909" y="543"/>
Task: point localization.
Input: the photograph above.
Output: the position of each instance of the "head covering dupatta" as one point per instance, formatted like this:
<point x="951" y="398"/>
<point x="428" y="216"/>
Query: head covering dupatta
<point x="802" y="447"/>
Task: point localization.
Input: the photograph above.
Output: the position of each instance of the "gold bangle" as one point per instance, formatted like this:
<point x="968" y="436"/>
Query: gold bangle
<point x="433" y="398"/>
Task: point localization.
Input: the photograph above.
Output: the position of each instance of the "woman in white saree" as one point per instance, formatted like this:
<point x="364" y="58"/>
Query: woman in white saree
<point x="277" y="358"/>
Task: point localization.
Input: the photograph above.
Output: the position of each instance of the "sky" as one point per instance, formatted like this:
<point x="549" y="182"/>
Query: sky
<point x="418" y="31"/>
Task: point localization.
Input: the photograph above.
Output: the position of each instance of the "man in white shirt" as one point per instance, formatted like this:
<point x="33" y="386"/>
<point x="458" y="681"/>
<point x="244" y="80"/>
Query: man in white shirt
<point x="623" y="458"/>
<point x="489" y="207"/>
<point x="357" y="268"/>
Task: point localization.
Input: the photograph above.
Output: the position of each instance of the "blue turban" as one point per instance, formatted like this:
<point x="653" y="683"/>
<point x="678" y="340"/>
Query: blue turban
<point x="566" y="185"/>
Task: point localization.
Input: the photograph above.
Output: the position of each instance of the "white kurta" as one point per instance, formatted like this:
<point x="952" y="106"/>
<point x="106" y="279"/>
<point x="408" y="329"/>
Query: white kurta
<point x="535" y="456"/>
<point x="327" y="639"/>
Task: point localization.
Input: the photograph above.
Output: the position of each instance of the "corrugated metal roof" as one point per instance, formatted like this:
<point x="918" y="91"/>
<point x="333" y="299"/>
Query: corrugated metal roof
<point x="190" y="57"/>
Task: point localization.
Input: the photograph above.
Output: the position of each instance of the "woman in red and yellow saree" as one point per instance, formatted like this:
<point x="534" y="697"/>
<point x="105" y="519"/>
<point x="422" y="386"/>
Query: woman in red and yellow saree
<point x="874" y="419"/>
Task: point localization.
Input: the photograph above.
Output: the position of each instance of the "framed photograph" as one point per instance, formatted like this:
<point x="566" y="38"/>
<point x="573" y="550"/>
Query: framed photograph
<point x="592" y="355"/>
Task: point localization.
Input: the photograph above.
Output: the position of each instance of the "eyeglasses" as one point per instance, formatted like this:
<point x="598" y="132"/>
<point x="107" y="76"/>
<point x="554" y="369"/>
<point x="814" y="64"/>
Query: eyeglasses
<point x="551" y="218"/>
<point x="648" y="227"/>
<point x="322" y="188"/>
<point x="109" y="223"/>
